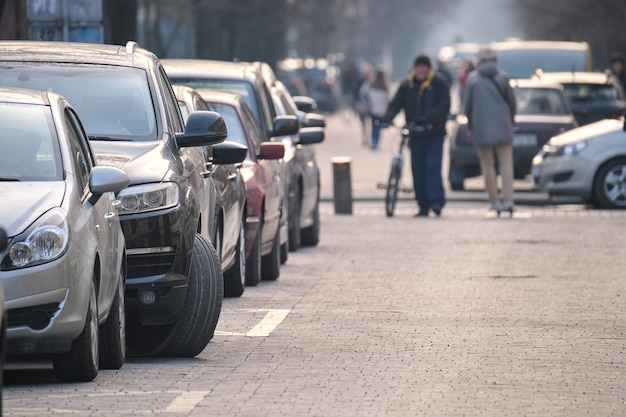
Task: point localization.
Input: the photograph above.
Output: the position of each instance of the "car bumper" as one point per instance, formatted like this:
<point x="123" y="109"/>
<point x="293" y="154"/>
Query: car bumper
<point x="563" y="175"/>
<point x="158" y="259"/>
<point x="47" y="304"/>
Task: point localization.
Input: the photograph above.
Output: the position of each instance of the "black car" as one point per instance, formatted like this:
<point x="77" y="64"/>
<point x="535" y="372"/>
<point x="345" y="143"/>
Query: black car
<point x="247" y="81"/>
<point x="174" y="285"/>
<point x="593" y="95"/>
<point x="543" y="111"/>
<point x="228" y="227"/>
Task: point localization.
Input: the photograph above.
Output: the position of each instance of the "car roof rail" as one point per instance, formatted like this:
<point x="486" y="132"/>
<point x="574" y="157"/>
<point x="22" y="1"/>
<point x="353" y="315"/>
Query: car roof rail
<point x="131" y="46"/>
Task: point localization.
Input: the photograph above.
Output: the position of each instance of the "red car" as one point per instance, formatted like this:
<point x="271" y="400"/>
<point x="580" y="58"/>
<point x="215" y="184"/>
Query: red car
<point x="261" y="173"/>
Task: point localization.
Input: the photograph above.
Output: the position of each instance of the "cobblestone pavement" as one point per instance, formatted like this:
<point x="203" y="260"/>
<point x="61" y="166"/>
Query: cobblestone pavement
<point x="464" y="315"/>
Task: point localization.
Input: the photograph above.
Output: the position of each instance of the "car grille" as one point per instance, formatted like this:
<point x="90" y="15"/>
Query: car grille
<point x="145" y="265"/>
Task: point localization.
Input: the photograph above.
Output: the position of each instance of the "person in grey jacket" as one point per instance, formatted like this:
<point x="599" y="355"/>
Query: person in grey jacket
<point x="490" y="108"/>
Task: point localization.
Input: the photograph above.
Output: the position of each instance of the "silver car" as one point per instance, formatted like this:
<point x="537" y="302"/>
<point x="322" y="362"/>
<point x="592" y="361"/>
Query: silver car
<point x="63" y="270"/>
<point x="587" y="162"/>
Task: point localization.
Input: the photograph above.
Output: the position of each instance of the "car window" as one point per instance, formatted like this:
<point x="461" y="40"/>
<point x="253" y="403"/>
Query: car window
<point x="29" y="143"/>
<point x="267" y="106"/>
<point x="240" y="87"/>
<point x="171" y="103"/>
<point x="522" y="63"/>
<point x="536" y="101"/>
<point x="590" y="92"/>
<point x="199" y="104"/>
<point x="234" y="125"/>
<point x="184" y="111"/>
<point x="253" y="126"/>
<point x="80" y="158"/>
<point x="111" y="101"/>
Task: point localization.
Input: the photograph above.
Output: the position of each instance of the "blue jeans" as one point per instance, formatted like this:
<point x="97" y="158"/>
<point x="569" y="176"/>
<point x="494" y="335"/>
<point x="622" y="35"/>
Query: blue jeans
<point x="375" y="131"/>
<point x="426" y="156"/>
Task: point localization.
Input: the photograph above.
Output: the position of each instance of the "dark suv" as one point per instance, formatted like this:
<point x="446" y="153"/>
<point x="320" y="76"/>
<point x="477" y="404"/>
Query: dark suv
<point x="174" y="284"/>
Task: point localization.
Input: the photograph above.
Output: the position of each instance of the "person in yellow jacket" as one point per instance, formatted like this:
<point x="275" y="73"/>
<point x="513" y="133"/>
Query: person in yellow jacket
<point x="425" y="98"/>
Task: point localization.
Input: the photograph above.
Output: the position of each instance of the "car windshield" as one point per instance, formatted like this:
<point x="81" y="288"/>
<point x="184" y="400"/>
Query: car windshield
<point x="523" y="63"/>
<point x="236" y="132"/>
<point x="111" y="101"/>
<point x="240" y="87"/>
<point x="540" y="101"/>
<point x="590" y="92"/>
<point x="29" y="148"/>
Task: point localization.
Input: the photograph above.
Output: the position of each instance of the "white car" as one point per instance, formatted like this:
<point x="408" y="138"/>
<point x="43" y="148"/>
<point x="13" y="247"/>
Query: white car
<point x="588" y="162"/>
<point x="64" y="268"/>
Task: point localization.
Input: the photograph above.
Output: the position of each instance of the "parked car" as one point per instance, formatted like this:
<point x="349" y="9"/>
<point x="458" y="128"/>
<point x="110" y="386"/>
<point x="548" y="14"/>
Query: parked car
<point x="246" y="80"/>
<point x="321" y="83"/>
<point x="588" y="162"/>
<point x="542" y="112"/>
<point x="4" y="242"/>
<point x="228" y="228"/>
<point x="63" y="273"/>
<point x="521" y="59"/>
<point x="302" y="188"/>
<point x="174" y="284"/>
<point x="261" y="172"/>
<point x="593" y="95"/>
<point x="304" y="175"/>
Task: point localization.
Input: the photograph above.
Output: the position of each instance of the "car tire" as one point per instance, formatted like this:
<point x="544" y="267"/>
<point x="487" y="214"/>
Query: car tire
<point x="311" y="235"/>
<point x="270" y="264"/>
<point x="456" y="178"/>
<point x="113" y="331"/>
<point x="235" y="277"/>
<point x="253" y="263"/>
<point x="294" y="223"/>
<point x="197" y="319"/>
<point x="284" y="252"/>
<point x="80" y="364"/>
<point x="610" y="177"/>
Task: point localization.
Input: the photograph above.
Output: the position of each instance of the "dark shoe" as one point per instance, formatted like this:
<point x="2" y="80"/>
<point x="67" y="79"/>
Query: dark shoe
<point x="436" y="208"/>
<point x="422" y="213"/>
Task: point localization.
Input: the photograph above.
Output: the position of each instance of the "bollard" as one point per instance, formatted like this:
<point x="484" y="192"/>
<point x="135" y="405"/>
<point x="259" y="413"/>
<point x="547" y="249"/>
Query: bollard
<point x="342" y="184"/>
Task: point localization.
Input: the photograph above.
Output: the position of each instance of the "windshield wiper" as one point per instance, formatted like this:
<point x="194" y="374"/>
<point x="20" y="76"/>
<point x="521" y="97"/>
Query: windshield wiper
<point x="9" y="179"/>
<point x="109" y="138"/>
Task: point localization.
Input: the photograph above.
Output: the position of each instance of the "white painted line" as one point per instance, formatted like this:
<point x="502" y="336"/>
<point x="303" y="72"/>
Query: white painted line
<point x="266" y="326"/>
<point x="186" y="402"/>
<point x="218" y="333"/>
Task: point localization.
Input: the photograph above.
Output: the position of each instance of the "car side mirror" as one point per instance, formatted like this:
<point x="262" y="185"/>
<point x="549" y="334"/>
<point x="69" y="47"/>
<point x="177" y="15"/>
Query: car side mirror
<point x="203" y="128"/>
<point x="305" y="104"/>
<point x="314" y="120"/>
<point x="105" y="179"/>
<point x="272" y="150"/>
<point x="311" y="135"/>
<point x="4" y="239"/>
<point x="285" y="126"/>
<point x="226" y="153"/>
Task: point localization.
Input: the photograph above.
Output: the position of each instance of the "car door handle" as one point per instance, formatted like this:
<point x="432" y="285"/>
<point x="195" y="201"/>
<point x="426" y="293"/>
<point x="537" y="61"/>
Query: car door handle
<point x="232" y="177"/>
<point x="109" y="215"/>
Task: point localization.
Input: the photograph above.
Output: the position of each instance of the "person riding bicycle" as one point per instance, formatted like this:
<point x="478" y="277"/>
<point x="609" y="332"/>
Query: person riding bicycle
<point x="425" y="98"/>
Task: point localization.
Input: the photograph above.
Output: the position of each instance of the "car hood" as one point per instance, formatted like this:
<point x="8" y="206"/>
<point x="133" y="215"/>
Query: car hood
<point x="601" y="128"/>
<point x="28" y="201"/>
<point x="143" y="162"/>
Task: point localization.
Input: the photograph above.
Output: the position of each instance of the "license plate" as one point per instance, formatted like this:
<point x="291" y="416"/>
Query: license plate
<point x="525" y="139"/>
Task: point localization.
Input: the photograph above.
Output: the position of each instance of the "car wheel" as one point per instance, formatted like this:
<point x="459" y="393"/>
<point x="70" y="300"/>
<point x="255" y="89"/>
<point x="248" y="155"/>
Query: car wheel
<point x="311" y="234"/>
<point x="198" y="318"/>
<point x="235" y="277"/>
<point x="253" y="263"/>
<point x="80" y="364"/>
<point x="456" y="177"/>
<point x="270" y="264"/>
<point x="284" y="252"/>
<point x="609" y="187"/>
<point x="294" y="223"/>
<point x="113" y="331"/>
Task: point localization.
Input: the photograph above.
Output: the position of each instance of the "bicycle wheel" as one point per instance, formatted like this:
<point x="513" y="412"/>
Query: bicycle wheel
<point x="392" y="188"/>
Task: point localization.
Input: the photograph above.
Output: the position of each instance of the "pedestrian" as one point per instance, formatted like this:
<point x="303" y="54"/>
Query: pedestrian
<point x="378" y="100"/>
<point x="362" y="105"/>
<point x="425" y="98"/>
<point x="490" y="109"/>
<point x="618" y="68"/>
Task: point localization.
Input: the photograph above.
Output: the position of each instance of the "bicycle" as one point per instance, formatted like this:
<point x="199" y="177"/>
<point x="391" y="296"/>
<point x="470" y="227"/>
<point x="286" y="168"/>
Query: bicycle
<point x="397" y="163"/>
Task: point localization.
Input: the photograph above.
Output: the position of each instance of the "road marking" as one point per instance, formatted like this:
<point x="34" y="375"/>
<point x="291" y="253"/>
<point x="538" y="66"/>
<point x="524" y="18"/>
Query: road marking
<point x="266" y="326"/>
<point x="186" y="402"/>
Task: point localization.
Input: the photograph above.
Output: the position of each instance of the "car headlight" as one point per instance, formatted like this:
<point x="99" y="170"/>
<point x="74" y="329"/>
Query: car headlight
<point x="148" y="197"/>
<point x="571" y="149"/>
<point x="46" y="240"/>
